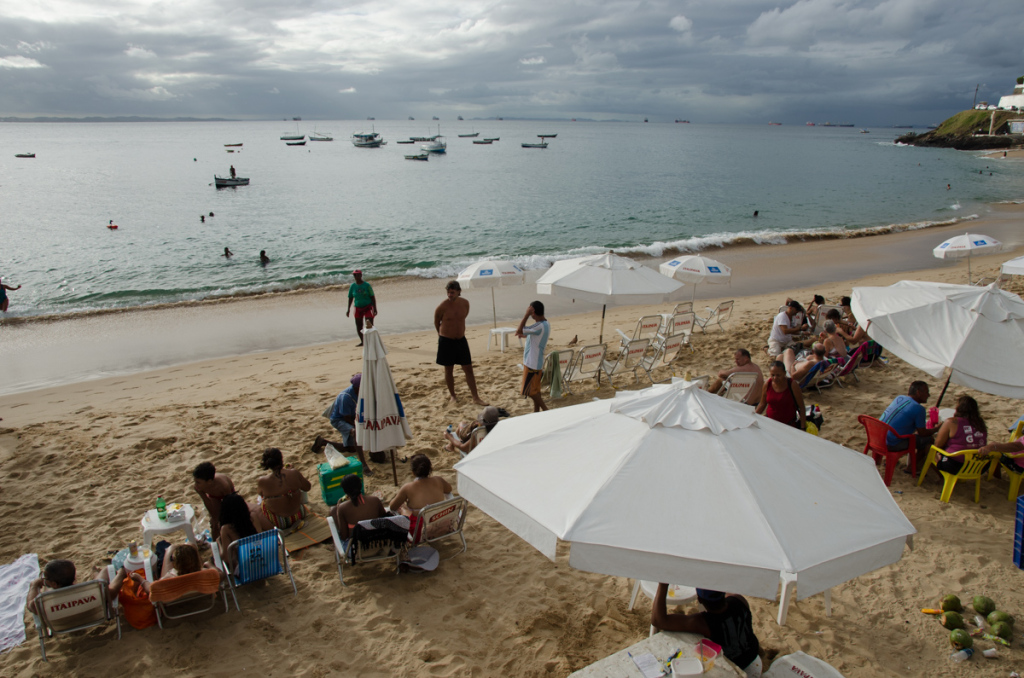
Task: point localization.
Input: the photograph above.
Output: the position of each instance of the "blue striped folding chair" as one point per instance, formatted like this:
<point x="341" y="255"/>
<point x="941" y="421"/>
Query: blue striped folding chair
<point x="259" y="556"/>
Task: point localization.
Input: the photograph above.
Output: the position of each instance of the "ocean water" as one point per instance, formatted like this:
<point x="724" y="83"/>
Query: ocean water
<point x="326" y="208"/>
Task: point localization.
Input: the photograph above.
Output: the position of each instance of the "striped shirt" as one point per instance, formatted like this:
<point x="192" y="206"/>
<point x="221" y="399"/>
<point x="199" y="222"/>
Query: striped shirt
<point x="536" y="340"/>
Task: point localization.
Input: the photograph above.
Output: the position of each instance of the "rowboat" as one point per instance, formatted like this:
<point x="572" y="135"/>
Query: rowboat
<point x="547" y="136"/>
<point x="469" y="136"/>
<point x="493" y="139"/>
<point x="295" y="143"/>
<point x="24" y="155"/>
<point x="292" y="137"/>
<point x="482" y="141"/>
<point x="229" y="145"/>
<point x="405" y="141"/>
<point x="543" y="144"/>
<point x="418" y="156"/>
<point x="227" y="182"/>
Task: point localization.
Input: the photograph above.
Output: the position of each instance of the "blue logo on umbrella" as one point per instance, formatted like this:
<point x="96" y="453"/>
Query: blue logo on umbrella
<point x="943" y="245"/>
<point x="714" y="269"/>
<point x="674" y="263"/>
<point x="487" y="271"/>
<point x="979" y="243"/>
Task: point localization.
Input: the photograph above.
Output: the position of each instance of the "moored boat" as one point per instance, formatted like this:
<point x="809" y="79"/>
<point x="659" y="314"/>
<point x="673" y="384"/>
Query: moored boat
<point x="292" y="137"/>
<point x="542" y="144"/>
<point x="418" y="156"/>
<point x="419" y="139"/>
<point x="469" y="136"/>
<point x="320" y="136"/>
<point x="24" y="155"/>
<point x="405" y="141"/>
<point x="438" y="145"/>
<point x="460" y="117"/>
<point x="295" y="143"/>
<point x="482" y="141"/>
<point x="228" y="145"/>
<point x="492" y="139"/>
<point x="550" y="136"/>
<point x="368" y="140"/>
<point x="227" y="182"/>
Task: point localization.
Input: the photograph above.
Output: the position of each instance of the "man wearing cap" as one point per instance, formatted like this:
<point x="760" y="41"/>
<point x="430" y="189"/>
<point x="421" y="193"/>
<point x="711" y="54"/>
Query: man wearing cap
<point x="783" y="330"/>
<point x="343" y="418"/>
<point x="366" y="304"/>
<point x="726" y="620"/>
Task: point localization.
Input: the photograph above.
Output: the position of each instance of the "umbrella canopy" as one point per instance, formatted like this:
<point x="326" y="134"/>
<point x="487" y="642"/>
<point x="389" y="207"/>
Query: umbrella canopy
<point x="695" y="269"/>
<point x="973" y="332"/>
<point x="966" y="245"/>
<point x="380" y="418"/>
<point x="1014" y="266"/>
<point x="607" y="279"/>
<point x="491" y="274"/>
<point x="676" y="484"/>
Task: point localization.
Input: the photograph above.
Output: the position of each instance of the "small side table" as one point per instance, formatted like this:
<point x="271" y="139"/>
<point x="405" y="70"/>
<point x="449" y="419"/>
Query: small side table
<point x="151" y="524"/>
<point x="502" y="333"/>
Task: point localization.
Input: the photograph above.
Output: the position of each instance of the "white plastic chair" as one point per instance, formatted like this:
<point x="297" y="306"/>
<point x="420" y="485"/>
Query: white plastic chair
<point x="738" y="386"/>
<point x="665" y="354"/>
<point x="586" y="365"/>
<point x="717" y="316"/>
<point x="342" y="548"/>
<point x="819" y="320"/>
<point x="630" y="359"/>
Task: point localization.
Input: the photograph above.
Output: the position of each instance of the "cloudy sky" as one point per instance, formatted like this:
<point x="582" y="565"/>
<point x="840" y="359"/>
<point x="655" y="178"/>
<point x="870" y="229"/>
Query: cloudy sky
<point x="873" y="62"/>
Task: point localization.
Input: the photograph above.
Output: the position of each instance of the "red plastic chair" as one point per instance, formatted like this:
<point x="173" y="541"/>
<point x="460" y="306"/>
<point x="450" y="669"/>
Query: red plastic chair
<point x="876" y="431"/>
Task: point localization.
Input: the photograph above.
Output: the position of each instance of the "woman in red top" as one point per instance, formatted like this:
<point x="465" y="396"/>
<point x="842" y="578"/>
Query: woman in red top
<point x="781" y="399"/>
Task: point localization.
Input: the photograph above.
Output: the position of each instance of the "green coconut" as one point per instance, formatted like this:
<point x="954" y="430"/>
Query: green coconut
<point x="983" y="605"/>
<point x="1003" y="630"/>
<point x="951" y="604"/>
<point x="960" y="639"/>
<point x="997" y="616"/>
<point x="952" y="620"/>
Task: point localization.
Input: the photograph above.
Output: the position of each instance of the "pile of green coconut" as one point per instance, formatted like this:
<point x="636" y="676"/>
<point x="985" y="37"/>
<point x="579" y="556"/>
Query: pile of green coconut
<point x="1000" y="624"/>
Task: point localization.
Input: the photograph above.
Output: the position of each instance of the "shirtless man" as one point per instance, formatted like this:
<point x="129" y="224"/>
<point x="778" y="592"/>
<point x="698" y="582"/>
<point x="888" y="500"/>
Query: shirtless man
<point x="452" y="347"/>
<point x="798" y="370"/>
<point x="211" y="488"/>
<point x="281" y="490"/>
<point x="743" y="364"/>
<point x="423" y="491"/>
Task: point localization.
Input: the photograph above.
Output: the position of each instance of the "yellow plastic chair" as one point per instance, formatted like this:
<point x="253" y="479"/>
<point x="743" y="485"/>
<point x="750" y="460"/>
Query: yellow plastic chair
<point x="1015" y="477"/>
<point x="973" y="469"/>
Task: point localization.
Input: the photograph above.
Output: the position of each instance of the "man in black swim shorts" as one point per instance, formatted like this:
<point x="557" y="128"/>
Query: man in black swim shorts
<point x="452" y="347"/>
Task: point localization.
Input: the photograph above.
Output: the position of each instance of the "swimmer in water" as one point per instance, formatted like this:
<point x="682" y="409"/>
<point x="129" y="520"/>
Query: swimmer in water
<point x="227" y="253"/>
<point x="264" y="259"/>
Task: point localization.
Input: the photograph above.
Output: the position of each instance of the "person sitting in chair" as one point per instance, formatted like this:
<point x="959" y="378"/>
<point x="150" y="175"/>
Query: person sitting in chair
<point x="741" y="357"/>
<point x="356" y="507"/>
<point x="212" y="487"/>
<point x="59" y="574"/>
<point x="965" y="430"/>
<point x="798" y="369"/>
<point x="906" y="415"/>
<point x="467" y="435"/>
<point x="726" y="620"/>
<point x="236" y="522"/>
<point x="423" y="491"/>
<point x="835" y="346"/>
<point x="281" y="490"/>
<point x="178" y="560"/>
<point x="784" y="328"/>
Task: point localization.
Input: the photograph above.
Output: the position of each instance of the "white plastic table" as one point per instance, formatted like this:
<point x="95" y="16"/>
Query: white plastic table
<point x="502" y="333"/>
<point x="151" y="524"/>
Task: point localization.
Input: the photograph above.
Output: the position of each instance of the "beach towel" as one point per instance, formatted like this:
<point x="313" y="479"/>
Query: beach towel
<point x="14" y="581"/>
<point x="553" y="375"/>
<point x="314" y="531"/>
<point x="370" y="537"/>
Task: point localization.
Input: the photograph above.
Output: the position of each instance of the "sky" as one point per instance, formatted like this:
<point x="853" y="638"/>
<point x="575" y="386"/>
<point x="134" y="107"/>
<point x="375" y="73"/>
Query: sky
<point x="870" y="62"/>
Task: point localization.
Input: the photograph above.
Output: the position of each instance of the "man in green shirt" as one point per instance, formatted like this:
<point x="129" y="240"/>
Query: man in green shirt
<point x="366" y="304"/>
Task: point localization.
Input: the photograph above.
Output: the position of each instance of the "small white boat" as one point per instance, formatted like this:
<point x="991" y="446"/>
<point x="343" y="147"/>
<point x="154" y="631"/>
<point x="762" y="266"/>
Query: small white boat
<point x="320" y="136"/>
<point x="418" y="156"/>
<point x="433" y="138"/>
<point x="367" y="140"/>
<point x="226" y="182"/>
<point x="438" y="145"/>
<point x="543" y="144"/>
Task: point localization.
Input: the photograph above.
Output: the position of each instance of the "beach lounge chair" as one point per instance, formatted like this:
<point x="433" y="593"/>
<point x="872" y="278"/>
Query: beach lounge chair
<point x="442" y="520"/>
<point x="347" y="550"/>
<point x="821" y="376"/>
<point x="259" y="556"/>
<point x="679" y="323"/>
<point x="716" y="316"/>
<point x="849" y="368"/>
<point x="973" y="469"/>
<point x="738" y="385"/>
<point x="682" y="307"/>
<point x="647" y="327"/>
<point x="876" y="431"/>
<point x="666" y="351"/>
<point x="1015" y="477"/>
<point x="819" y="319"/>
<point x="181" y="594"/>
<point x="74" y="608"/>
<point x="630" y="359"/>
<point x="586" y="365"/>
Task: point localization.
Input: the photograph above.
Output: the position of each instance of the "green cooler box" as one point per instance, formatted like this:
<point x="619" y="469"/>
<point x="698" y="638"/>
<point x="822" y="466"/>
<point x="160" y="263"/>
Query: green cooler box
<point x="330" y="479"/>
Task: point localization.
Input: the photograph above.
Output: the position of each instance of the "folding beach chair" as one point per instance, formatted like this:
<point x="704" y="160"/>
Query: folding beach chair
<point x="390" y="545"/>
<point x="738" y="386"/>
<point x="442" y="520"/>
<point x="74" y="608"/>
<point x="679" y="323"/>
<point x="565" y="357"/>
<point x="850" y="366"/>
<point x="822" y="375"/>
<point x="716" y="316"/>
<point x="630" y="359"/>
<point x="259" y="556"/>
<point x="683" y="307"/>
<point x="182" y="593"/>
<point x="647" y="327"/>
<point x="666" y="351"/>
<point x="819" y="320"/>
<point x="586" y="365"/>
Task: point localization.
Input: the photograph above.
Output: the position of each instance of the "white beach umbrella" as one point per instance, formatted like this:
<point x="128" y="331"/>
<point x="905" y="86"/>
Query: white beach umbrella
<point x="607" y="279"/>
<point x="695" y="269"/>
<point x="676" y="484"/>
<point x="491" y="273"/>
<point x="380" y="418"/>
<point x="965" y="245"/>
<point x="1014" y="266"/>
<point x="972" y="334"/>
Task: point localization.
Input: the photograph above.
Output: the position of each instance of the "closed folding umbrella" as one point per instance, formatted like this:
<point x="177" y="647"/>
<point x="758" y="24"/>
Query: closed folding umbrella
<point x="695" y="269"/>
<point x="974" y="335"/>
<point x="966" y="245"/>
<point x="381" y="425"/>
<point x="491" y="273"/>
<point x="675" y="484"/>
<point x="607" y="279"/>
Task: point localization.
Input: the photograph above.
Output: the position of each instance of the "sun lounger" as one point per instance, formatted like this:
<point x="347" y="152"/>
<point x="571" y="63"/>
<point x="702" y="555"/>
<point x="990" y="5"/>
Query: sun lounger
<point x="851" y="365"/>
<point x="822" y="375"/>
<point x="586" y="365"/>
<point x="679" y="323"/>
<point x="630" y="359"/>
<point x="716" y="316"/>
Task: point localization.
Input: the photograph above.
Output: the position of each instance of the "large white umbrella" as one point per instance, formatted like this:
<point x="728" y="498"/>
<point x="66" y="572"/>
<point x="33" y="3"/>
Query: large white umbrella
<point x="966" y="245"/>
<point x="380" y="418"/>
<point x="973" y="334"/>
<point x="1014" y="266"/>
<point x="676" y="484"/>
<point x="607" y="279"/>
<point x="491" y="273"/>
<point x="695" y="269"/>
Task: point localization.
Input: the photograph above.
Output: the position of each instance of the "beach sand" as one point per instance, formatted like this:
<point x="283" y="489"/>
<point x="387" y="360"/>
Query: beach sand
<point x="82" y="462"/>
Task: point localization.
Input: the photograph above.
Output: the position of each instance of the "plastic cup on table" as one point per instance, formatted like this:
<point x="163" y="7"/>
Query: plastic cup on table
<point x="707" y="652"/>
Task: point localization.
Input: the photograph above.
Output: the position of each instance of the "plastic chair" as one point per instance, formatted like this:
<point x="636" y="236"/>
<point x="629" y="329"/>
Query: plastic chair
<point x="1015" y="477"/>
<point x="586" y="365"/>
<point x="973" y="469"/>
<point x="737" y="386"/>
<point x="442" y="520"/>
<point x="74" y="608"/>
<point x="876" y="431"/>
<point x="343" y="550"/>
<point x="630" y="359"/>
<point x="665" y="354"/>
<point x="717" y="316"/>
<point x="182" y="591"/>
<point x="259" y="556"/>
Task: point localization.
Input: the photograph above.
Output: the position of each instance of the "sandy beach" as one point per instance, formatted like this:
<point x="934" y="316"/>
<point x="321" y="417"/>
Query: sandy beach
<point x="83" y="461"/>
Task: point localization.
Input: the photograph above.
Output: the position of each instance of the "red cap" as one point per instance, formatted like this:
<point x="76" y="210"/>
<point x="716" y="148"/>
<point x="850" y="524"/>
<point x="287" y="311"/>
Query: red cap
<point x="357" y="272"/>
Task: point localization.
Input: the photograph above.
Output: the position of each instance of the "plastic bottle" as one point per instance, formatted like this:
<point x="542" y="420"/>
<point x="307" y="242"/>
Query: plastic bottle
<point x="991" y="653"/>
<point x="933" y="417"/>
<point x="161" y="508"/>
<point x="963" y="655"/>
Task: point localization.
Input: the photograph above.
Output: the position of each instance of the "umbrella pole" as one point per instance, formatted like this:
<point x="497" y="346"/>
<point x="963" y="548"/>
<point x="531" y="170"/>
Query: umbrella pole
<point x="600" y="339"/>
<point x="941" y="395"/>
<point x="494" y="310"/>
<point x="968" y="268"/>
<point x="693" y="295"/>
<point x="394" y="469"/>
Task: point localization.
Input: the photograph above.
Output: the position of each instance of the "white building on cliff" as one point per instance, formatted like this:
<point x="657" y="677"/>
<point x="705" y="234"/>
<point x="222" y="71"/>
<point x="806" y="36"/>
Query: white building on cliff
<point x="1015" y="100"/>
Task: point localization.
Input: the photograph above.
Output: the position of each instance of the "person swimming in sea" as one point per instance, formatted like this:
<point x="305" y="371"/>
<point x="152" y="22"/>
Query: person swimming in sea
<point x="264" y="259"/>
<point x="227" y="253"/>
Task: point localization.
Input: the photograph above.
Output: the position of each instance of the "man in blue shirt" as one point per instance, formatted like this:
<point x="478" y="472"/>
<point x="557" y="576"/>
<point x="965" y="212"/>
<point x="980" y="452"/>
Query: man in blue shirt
<point x="343" y="418"/>
<point x="906" y="415"/>
<point x="536" y="340"/>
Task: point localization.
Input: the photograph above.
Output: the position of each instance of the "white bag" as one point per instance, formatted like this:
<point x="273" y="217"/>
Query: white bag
<point x="800" y="664"/>
<point x="334" y="458"/>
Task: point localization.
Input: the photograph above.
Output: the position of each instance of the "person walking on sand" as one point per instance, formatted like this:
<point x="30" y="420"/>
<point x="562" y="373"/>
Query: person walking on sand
<point x="452" y="347"/>
<point x="4" y="301"/>
<point x="366" y="303"/>
<point x="264" y="259"/>
<point x="536" y="336"/>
